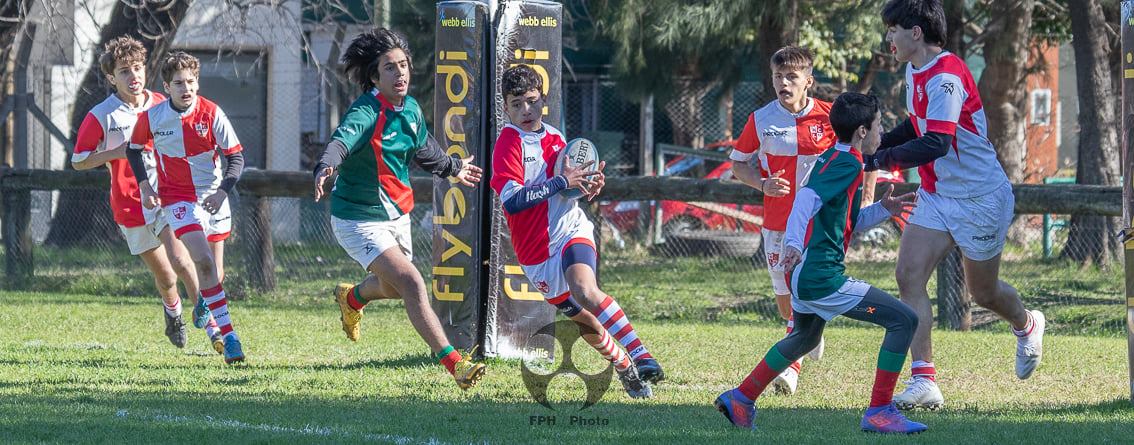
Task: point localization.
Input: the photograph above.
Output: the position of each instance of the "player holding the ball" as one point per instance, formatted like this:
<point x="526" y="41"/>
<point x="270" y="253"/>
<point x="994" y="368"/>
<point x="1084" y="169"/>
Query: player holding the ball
<point x="552" y="237"/>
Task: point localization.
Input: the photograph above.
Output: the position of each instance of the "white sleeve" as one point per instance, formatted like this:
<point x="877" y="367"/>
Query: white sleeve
<point x="509" y="190"/>
<point x="870" y="216"/>
<point x="225" y="135"/>
<point x="806" y="205"/>
<point x="946" y="96"/>
<point x="740" y="156"/>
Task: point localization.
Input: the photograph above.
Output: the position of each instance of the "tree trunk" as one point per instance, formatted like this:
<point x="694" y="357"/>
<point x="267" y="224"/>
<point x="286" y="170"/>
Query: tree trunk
<point x="12" y="17"/>
<point x="685" y="112"/>
<point x="1003" y="84"/>
<point x="955" y="27"/>
<point x="84" y="216"/>
<point x="778" y="28"/>
<point x="1091" y="238"/>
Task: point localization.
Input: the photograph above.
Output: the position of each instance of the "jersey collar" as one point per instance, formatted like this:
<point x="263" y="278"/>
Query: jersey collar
<point x="806" y="108"/>
<point x="847" y="148"/>
<point x="386" y="105"/>
<point x="531" y="135"/>
<point x="929" y="64"/>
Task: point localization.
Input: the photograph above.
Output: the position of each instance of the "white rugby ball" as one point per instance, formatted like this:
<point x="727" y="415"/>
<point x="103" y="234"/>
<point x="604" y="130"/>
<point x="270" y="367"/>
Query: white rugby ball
<point x="577" y="152"/>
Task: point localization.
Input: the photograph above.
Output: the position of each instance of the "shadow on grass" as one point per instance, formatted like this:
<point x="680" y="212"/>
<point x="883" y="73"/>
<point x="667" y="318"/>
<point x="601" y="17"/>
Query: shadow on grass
<point x="190" y="418"/>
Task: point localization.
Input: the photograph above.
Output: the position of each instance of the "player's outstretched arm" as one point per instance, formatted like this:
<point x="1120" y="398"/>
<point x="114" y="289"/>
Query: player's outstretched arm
<point x="919" y="151"/>
<point x="874" y="214"/>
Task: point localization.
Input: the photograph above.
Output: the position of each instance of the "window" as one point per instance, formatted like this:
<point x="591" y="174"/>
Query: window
<point x="1041" y="107"/>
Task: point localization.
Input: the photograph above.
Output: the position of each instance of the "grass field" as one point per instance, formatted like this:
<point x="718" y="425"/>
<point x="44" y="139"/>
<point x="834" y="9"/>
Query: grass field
<point x="78" y="367"/>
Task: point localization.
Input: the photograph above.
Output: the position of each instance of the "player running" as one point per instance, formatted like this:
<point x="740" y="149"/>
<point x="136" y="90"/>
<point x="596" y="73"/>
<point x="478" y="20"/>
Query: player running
<point x="965" y="198"/>
<point x="774" y="155"/>
<point x="552" y="237"/>
<point x="819" y="229"/>
<point x="185" y="134"/>
<point x="379" y="135"/>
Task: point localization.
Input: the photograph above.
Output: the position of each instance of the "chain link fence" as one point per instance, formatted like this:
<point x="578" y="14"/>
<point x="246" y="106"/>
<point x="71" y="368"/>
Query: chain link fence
<point x="663" y="259"/>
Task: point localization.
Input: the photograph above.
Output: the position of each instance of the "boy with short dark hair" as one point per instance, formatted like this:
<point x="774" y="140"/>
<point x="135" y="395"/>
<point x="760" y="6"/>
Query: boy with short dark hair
<point x="965" y="198"/>
<point x="552" y="237"/>
<point x="825" y="212"/>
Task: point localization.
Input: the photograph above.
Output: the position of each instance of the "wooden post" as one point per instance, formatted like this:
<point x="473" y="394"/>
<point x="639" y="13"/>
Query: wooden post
<point x="1126" y="26"/>
<point x="953" y="305"/>
<point x="259" y="261"/>
<point x="19" y="264"/>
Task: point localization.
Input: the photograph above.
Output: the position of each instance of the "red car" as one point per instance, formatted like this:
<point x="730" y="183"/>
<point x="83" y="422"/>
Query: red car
<point x="680" y="216"/>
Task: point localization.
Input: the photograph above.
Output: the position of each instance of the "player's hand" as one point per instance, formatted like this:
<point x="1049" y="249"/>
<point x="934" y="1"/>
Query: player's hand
<point x="321" y="181"/>
<point x="150" y="199"/>
<point x="598" y="181"/>
<point x="213" y="202"/>
<point x="898" y="206"/>
<point x="578" y="176"/>
<point x="775" y="186"/>
<point x="469" y="174"/>
<point x="789" y="258"/>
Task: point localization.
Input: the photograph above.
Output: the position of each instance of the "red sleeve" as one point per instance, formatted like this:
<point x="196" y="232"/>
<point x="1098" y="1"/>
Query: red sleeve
<point x="142" y="138"/>
<point x="507" y="161"/>
<point x="748" y="142"/>
<point x="90" y="135"/>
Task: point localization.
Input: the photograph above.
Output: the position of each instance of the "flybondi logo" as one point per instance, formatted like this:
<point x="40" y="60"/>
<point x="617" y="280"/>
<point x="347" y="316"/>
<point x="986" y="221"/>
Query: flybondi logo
<point x="457" y="22"/>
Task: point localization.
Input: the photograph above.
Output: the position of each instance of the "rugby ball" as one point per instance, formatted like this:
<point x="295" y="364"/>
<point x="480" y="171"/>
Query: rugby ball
<point x="577" y="152"/>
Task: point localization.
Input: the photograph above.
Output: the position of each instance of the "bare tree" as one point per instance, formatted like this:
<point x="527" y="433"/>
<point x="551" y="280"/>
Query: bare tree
<point x="13" y="15"/>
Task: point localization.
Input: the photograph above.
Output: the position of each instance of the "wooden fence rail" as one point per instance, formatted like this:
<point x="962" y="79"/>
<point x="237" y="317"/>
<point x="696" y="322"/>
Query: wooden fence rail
<point x="258" y="185"/>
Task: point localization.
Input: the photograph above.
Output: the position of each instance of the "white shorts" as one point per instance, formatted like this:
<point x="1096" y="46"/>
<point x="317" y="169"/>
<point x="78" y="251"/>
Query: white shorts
<point x="773" y="246"/>
<point x="185" y="217"/>
<point x="979" y="225"/>
<point x="144" y="238"/>
<point x="366" y="240"/>
<point x="836" y="304"/>
<point x="548" y="277"/>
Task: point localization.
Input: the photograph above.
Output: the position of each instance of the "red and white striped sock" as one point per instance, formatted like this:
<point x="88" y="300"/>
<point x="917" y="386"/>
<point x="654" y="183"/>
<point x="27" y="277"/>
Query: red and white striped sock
<point x="214" y="298"/>
<point x="616" y="322"/>
<point x="174" y="309"/>
<point x="211" y="327"/>
<point x="611" y="351"/>
<point x="923" y="369"/>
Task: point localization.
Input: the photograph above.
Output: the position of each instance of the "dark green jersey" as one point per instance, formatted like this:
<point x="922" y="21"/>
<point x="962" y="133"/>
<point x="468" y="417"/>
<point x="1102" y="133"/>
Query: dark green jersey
<point x="373" y="182"/>
<point x="832" y="197"/>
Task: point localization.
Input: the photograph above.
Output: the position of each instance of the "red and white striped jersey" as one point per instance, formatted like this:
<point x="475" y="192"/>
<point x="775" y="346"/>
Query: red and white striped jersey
<point x="782" y="140"/>
<point x="942" y="97"/>
<point x="107" y="126"/>
<point x="522" y="159"/>
<point x="186" y="144"/>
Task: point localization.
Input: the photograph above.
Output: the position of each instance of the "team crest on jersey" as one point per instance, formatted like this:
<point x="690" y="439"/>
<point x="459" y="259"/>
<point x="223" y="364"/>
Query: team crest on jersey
<point x="816" y="132"/>
<point x="179" y="213"/>
<point x="543" y="287"/>
<point x="202" y="129"/>
<point x="920" y="92"/>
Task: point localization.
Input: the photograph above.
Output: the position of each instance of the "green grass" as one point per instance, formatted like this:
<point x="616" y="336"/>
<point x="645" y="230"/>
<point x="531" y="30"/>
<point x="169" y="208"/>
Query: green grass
<point x="96" y="369"/>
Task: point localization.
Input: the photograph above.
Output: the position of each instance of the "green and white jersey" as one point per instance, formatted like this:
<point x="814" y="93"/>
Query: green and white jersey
<point x="823" y="217"/>
<point x="381" y="139"/>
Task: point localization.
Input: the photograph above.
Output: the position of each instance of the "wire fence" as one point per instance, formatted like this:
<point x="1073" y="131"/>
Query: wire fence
<point x="663" y="259"/>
